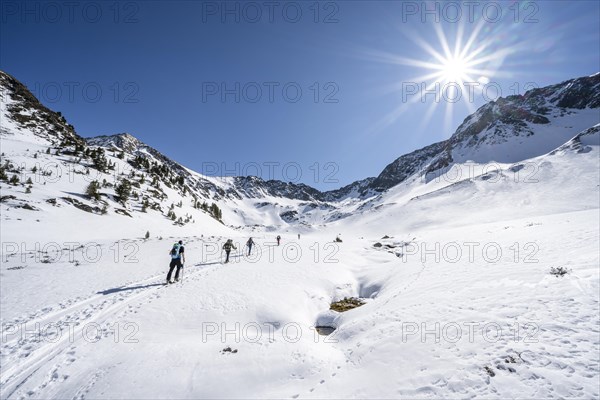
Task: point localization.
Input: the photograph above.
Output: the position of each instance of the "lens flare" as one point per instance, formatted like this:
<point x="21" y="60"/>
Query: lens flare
<point x="458" y="65"/>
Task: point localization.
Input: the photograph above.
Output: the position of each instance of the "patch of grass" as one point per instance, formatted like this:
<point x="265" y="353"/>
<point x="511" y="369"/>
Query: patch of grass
<point x="348" y="303"/>
<point x="229" y="350"/>
<point x="559" y="271"/>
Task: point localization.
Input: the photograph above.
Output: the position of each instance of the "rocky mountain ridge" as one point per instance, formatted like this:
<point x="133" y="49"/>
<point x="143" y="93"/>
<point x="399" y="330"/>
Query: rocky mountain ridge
<point x="497" y="131"/>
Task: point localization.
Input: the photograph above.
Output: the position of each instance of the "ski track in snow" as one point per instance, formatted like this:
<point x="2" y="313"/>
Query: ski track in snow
<point x="25" y="356"/>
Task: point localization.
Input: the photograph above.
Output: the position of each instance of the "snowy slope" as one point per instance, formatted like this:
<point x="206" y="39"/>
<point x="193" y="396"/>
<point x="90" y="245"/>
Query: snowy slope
<point x="167" y="342"/>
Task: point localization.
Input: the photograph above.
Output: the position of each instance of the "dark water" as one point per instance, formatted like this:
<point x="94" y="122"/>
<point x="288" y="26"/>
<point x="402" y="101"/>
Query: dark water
<point x="324" y="330"/>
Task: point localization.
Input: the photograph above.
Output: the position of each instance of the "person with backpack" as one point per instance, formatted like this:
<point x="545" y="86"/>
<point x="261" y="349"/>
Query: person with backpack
<point x="177" y="260"/>
<point x="278" y="240"/>
<point x="227" y="247"/>
<point x="249" y="243"/>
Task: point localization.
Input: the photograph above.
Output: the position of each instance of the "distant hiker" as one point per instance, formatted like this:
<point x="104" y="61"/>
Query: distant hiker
<point x="177" y="260"/>
<point x="298" y="236"/>
<point x="249" y="243"/>
<point x="227" y="247"/>
<point x="278" y="240"/>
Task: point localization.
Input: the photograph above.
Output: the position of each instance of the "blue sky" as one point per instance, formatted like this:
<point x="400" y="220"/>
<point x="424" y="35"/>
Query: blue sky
<point x="341" y="82"/>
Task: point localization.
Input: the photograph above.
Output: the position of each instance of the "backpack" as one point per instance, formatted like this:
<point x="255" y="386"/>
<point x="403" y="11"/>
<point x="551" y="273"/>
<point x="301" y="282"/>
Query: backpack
<point x="175" y="251"/>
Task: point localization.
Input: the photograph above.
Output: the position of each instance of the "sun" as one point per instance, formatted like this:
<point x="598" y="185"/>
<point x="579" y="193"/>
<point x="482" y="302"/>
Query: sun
<point x="454" y="70"/>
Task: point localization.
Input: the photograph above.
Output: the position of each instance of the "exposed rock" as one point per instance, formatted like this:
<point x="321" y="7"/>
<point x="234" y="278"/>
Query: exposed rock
<point x="4" y="199"/>
<point x="82" y="206"/>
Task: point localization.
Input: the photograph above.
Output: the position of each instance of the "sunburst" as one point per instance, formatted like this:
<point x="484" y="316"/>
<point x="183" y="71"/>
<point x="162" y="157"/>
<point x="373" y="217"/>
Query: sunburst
<point x="457" y="71"/>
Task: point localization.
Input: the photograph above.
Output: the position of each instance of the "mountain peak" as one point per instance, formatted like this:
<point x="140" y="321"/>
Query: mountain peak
<point x="122" y="141"/>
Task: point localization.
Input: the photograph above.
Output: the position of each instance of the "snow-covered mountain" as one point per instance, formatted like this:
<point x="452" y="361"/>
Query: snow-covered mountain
<point x="475" y="260"/>
<point x="508" y="130"/>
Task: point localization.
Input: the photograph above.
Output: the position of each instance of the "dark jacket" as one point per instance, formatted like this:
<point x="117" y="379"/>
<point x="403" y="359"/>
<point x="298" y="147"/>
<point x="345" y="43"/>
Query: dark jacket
<point x="228" y="245"/>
